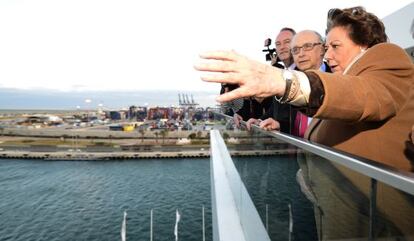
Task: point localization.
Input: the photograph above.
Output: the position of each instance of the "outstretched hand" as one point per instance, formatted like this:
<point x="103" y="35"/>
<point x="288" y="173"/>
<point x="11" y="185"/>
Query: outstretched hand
<point x="254" y="78"/>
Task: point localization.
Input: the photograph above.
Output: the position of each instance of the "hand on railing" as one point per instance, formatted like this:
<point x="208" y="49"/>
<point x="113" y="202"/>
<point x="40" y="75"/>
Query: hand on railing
<point x="237" y="119"/>
<point x="270" y="124"/>
<point x="252" y="121"/>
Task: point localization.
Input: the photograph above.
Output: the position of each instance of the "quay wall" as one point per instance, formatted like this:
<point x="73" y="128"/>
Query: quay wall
<point x="107" y="134"/>
<point x="131" y="155"/>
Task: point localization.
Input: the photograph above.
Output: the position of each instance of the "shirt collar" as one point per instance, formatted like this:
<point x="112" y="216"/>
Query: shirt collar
<point x="291" y="67"/>
<point x="356" y="58"/>
<point x="323" y="67"/>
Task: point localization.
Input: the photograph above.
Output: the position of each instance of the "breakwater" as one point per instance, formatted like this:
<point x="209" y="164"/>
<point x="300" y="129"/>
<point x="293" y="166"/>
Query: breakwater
<point x="132" y="155"/>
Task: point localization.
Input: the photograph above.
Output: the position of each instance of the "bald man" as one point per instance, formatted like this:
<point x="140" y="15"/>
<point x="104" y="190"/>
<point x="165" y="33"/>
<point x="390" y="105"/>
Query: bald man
<point x="307" y="48"/>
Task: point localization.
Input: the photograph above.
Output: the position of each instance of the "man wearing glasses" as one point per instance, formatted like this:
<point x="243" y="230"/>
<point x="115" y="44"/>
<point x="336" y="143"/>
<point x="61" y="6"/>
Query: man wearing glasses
<point x="307" y="49"/>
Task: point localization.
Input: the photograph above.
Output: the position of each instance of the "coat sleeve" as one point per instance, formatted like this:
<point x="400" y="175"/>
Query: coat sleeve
<point x="374" y="89"/>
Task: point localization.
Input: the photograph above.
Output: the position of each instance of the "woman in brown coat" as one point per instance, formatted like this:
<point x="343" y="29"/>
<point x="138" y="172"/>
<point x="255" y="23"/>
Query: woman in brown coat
<point x="366" y="108"/>
<point x="369" y="100"/>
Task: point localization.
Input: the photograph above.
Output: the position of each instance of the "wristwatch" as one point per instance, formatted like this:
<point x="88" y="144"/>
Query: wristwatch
<point x="288" y="77"/>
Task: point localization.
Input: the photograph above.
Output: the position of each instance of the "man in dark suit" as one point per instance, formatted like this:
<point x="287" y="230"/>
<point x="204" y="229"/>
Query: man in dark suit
<point x="307" y="50"/>
<point x="283" y="113"/>
<point x="254" y="109"/>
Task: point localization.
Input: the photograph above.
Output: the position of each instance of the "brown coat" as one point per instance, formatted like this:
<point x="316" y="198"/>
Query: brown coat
<point x="369" y="111"/>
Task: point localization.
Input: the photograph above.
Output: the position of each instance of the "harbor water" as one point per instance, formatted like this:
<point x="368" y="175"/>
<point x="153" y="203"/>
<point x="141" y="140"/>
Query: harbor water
<point x="86" y="200"/>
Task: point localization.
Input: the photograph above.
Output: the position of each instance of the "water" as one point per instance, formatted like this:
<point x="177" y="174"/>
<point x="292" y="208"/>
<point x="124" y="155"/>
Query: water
<point x="85" y="200"/>
<point x="271" y="181"/>
<point x="81" y="200"/>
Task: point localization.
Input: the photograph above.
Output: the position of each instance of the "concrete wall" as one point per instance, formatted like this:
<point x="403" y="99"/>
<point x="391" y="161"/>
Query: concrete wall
<point x="54" y="132"/>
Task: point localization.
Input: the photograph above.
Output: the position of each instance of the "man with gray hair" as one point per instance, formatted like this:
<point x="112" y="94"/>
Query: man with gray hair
<point x="307" y="49"/>
<point x="283" y="113"/>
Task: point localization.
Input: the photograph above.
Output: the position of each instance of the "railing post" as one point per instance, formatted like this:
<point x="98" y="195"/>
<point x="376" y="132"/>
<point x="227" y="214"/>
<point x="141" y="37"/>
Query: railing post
<point x="204" y="228"/>
<point x="151" y="225"/>
<point x="267" y="218"/>
<point x="372" y="209"/>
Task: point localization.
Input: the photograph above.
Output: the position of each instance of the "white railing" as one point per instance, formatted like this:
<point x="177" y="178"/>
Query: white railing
<point x="234" y="215"/>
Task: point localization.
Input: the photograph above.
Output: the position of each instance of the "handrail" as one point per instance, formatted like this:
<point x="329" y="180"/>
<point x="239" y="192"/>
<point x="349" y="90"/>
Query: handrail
<point x="238" y="219"/>
<point x="401" y="180"/>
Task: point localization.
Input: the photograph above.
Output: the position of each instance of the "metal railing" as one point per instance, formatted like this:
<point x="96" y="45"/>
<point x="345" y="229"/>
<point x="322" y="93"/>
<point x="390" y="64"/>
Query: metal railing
<point x="398" y="179"/>
<point x="376" y="172"/>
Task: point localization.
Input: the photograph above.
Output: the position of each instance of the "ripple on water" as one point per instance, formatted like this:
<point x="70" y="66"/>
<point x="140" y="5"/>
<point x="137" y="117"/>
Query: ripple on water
<point x="86" y="200"/>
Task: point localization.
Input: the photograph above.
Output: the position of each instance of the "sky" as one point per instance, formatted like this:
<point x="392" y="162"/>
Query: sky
<point x="108" y="45"/>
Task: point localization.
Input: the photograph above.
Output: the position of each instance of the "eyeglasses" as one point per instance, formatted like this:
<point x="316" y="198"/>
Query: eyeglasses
<point x="305" y="47"/>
